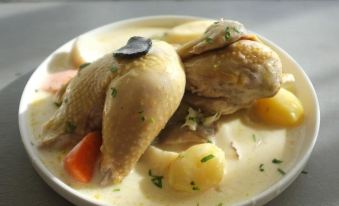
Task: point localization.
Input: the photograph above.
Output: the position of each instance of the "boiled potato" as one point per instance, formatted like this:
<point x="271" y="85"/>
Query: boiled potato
<point x="283" y="109"/>
<point x="158" y="160"/>
<point x="87" y="49"/>
<point x="187" y="31"/>
<point x="198" y="168"/>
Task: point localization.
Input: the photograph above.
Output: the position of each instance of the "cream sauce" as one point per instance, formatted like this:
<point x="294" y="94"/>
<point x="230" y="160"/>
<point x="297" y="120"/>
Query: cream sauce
<point x="254" y="145"/>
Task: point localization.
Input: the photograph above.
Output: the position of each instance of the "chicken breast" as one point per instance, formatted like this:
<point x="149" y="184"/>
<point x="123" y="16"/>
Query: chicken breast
<point x="130" y="99"/>
<point x="228" y="79"/>
<point x="146" y="98"/>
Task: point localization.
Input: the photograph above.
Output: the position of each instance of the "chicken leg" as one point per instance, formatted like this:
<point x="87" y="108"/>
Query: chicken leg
<point x="130" y="99"/>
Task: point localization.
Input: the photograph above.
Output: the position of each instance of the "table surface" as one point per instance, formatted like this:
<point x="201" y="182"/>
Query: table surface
<point x="308" y="30"/>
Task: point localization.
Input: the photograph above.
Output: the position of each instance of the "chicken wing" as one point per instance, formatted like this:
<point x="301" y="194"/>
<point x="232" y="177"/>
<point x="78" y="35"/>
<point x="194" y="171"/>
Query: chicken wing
<point x="220" y="34"/>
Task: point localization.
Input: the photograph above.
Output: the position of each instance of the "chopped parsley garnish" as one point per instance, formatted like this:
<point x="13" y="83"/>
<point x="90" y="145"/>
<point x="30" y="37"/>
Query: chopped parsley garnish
<point x="206" y="158"/>
<point x="261" y="168"/>
<point x="282" y="172"/>
<point x="57" y="104"/>
<point x="209" y="141"/>
<point x="116" y="190"/>
<point x="276" y="161"/>
<point x="84" y="65"/>
<point x="114" y="69"/>
<point x="304" y="172"/>
<point x="220" y="204"/>
<point x="70" y="127"/>
<point x="236" y="30"/>
<point x="142" y="115"/>
<point x="194" y="186"/>
<point x="114" y="92"/>
<point x="157" y="180"/>
<point x="193" y="119"/>
<point x="227" y="33"/>
<point x="152" y="120"/>
<point x="254" y="138"/>
<point x="209" y="40"/>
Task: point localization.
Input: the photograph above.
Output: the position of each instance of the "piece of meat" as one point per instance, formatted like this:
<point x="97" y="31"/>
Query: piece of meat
<point x="131" y="99"/>
<point x="220" y="34"/>
<point x="82" y="103"/>
<point x="230" y="78"/>
<point x="146" y="98"/>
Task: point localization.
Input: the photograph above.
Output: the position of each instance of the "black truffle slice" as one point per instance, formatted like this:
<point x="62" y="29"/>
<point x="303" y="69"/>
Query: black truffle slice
<point x="136" y="46"/>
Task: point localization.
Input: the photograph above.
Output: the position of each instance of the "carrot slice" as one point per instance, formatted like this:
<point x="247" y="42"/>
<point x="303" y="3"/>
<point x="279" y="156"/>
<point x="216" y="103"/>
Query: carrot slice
<point x="80" y="161"/>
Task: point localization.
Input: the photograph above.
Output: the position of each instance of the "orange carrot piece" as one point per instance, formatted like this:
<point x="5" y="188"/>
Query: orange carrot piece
<point x="81" y="160"/>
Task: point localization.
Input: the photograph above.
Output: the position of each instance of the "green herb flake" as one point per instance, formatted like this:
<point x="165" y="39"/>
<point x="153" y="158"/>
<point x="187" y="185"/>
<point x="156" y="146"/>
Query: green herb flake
<point x="193" y="119"/>
<point x="116" y="190"/>
<point x="276" y="161"/>
<point x="304" y="172"/>
<point x="156" y="180"/>
<point x="142" y="115"/>
<point x="220" y="204"/>
<point x="282" y="172"/>
<point x="209" y="141"/>
<point x="114" y="92"/>
<point x="114" y="69"/>
<point x="206" y="158"/>
<point x="261" y="168"/>
<point x="57" y="104"/>
<point x="84" y="65"/>
<point x="70" y="127"/>
<point x="209" y="40"/>
<point x="152" y="120"/>
<point x="194" y="186"/>
<point x="254" y="138"/>
<point x="236" y="30"/>
<point x="227" y="33"/>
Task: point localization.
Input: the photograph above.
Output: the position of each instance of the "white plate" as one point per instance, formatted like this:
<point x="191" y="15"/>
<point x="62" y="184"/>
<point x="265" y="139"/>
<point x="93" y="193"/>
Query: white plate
<point x="307" y="96"/>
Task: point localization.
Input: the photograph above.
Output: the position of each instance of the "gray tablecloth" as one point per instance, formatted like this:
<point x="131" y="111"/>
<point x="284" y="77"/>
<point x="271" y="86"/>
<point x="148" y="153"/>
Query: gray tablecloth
<point x="309" y="31"/>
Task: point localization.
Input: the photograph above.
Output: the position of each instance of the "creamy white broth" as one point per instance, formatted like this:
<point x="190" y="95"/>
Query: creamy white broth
<point x="255" y="145"/>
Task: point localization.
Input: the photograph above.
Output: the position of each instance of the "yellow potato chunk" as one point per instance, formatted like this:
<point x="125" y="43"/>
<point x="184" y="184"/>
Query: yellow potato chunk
<point x="198" y="168"/>
<point x="283" y="109"/>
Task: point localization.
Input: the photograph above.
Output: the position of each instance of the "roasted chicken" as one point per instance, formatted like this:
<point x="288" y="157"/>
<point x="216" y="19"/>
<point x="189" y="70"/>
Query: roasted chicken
<point x="131" y="99"/>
